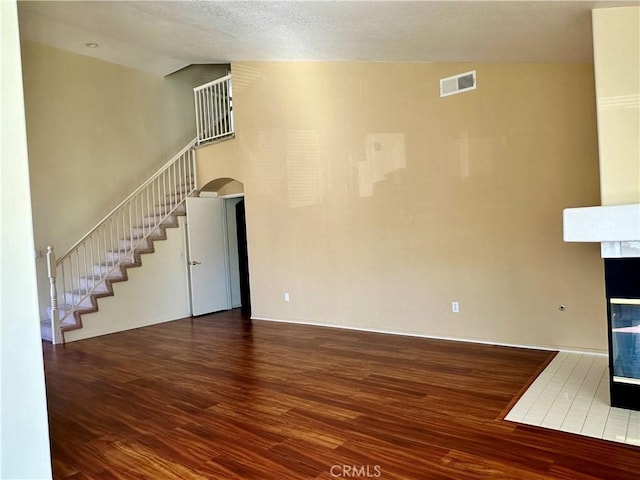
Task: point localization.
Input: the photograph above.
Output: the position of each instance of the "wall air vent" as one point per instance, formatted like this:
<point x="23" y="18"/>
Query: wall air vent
<point x="458" y="84"/>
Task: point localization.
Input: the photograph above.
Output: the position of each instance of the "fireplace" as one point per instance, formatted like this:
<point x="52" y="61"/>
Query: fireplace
<point x="617" y="229"/>
<point x="622" y="276"/>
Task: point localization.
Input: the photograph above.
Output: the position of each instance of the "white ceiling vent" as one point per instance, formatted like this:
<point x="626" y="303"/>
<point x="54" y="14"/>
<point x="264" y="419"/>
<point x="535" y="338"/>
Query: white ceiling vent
<point x="458" y="84"/>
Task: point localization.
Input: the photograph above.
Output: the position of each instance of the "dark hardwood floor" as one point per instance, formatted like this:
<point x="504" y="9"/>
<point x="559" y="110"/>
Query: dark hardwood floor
<point x="221" y="397"/>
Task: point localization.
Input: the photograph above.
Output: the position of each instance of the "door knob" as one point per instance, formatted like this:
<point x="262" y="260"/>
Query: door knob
<point x="193" y="262"/>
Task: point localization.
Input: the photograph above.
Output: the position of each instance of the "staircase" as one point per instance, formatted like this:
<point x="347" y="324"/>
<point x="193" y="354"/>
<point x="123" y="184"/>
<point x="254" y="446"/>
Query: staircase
<point x="70" y="317"/>
<point x="102" y="257"/>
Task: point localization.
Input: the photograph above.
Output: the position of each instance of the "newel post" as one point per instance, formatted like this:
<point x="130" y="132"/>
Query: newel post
<point x="56" y="334"/>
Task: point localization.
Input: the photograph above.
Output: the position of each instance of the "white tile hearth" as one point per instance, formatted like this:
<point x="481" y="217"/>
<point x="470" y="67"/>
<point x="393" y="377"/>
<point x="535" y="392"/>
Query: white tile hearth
<point x="572" y="395"/>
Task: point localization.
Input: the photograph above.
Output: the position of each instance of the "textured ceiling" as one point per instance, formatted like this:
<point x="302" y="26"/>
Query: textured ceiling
<point x="164" y="36"/>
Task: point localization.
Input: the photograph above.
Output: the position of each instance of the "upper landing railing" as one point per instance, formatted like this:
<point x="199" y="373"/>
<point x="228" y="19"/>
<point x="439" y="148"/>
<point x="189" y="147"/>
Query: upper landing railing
<point x="214" y="110"/>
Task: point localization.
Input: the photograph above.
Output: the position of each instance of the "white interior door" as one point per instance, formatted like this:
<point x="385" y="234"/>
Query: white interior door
<point x="208" y="255"/>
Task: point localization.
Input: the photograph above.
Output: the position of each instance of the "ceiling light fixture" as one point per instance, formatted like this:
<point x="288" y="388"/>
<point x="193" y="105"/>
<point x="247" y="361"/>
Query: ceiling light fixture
<point x="92" y="45"/>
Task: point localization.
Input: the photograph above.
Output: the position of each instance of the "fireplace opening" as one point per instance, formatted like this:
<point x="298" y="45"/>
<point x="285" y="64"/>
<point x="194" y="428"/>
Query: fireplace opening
<point x="622" y="278"/>
<point x="625" y="336"/>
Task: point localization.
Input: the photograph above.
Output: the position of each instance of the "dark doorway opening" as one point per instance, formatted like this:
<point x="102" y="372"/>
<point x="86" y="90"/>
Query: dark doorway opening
<point x="243" y="259"/>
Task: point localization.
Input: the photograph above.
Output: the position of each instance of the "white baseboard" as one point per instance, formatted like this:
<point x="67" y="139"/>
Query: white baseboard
<point x="599" y="353"/>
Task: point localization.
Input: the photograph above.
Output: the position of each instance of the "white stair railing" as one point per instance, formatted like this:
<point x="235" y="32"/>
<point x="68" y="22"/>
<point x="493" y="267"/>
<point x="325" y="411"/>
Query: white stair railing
<point x="214" y="110"/>
<point x="128" y="229"/>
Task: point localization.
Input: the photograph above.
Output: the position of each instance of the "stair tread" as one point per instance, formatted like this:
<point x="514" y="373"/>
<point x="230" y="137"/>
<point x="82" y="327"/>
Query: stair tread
<point x="98" y="277"/>
<point x="68" y="320"/>
<point x="77" y="291"/>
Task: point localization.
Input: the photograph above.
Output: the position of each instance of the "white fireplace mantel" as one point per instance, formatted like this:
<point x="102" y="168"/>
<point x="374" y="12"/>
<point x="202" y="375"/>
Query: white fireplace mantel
<point x="615" y="227"/>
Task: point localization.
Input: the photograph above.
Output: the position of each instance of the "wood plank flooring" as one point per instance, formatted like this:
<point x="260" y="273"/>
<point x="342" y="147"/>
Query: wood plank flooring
<point x="222" y="397"/>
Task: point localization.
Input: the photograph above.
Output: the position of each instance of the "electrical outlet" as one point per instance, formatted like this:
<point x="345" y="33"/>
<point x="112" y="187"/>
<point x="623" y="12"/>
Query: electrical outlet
<point x="286" y="296"/>
<point x="455" y="307"/>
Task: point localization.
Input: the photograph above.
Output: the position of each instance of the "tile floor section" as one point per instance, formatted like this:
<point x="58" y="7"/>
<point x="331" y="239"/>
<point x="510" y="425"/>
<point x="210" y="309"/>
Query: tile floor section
<point x="572" y="395"/>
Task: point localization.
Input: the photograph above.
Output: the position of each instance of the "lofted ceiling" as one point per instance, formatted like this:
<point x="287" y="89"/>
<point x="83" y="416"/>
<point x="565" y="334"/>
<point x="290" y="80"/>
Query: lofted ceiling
<point x="164" y="36"/>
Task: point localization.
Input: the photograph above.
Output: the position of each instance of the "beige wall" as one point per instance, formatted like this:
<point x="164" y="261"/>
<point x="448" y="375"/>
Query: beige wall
<point x="95" y="131"/>
<point x="24" y="433"/>
<point x="375" y="203"/>
<point x="616" y="44"/>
